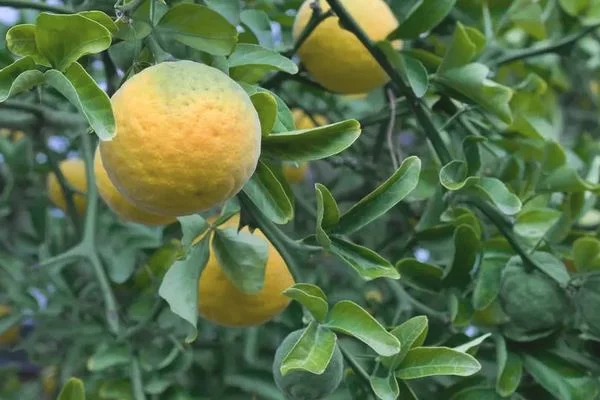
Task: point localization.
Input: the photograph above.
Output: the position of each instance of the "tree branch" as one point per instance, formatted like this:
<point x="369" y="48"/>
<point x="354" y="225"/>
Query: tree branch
<point x="25" y="4"/>
<point x="549" y="48"/>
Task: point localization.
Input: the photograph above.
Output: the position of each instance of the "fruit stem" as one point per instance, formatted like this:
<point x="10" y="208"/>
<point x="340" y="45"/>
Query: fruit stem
<point x="356" y="367"/>
<point x="417" y="106"/>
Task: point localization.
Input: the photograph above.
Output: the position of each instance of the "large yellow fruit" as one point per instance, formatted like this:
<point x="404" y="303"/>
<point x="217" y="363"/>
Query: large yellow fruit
<point x="295" y="173"/>
<point x="118" y="203"/>
<point x="188" y="138"/>
<point x="223" y="303"/>
<point x="74" y="172"/>
<point x="334" y="56"/>
<point x="11" y="335"/>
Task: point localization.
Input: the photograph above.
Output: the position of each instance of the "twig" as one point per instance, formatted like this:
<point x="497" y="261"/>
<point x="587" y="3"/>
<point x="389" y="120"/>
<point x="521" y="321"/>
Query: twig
<point x="391" y="126"/>
<point x="25" y="4"/>
<point x="417" y="106"/>
<point x="549" y="48"/>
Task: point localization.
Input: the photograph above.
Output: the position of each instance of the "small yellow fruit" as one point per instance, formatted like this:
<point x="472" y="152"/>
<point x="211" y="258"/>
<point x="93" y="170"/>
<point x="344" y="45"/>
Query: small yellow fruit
<point x="223" y="303"/>
<point x="188" y="138"/>
<point x="11" y="335"/>
<point x="74" y="172"/>
<point x="118" y="203"/>
<point x="295" y="173"/>
<point x="334" y="56"/>
<point x="49" y="376"/>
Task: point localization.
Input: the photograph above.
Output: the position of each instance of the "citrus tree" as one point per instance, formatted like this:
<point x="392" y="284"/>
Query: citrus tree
<point x="302" y="200"/>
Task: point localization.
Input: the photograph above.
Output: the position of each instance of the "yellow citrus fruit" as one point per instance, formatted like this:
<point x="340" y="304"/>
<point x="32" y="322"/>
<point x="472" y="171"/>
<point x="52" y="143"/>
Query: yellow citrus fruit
<point x="49" y="376"/>
<point x="188" y="138"/>
<point x="74" y="172"/>
<point x="334" y="56"/>
<point x="223" y="303"/>
<point x="295" y="173"/>
<point x="11" y="335"/>
<point x="118" y="203"/>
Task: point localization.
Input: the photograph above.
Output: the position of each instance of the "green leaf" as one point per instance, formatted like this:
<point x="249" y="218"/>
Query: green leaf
<point x="453" y="176"/>
<point x="586" y="254"/>
<point x="311" y="297"/>
<point x="551" y="266"/>
<point x="412" y="70"/>
<point x="72" y="390"/>
<point x="230" y="9"/>
<point x="510" y="369"/>
<point x="385" y="388"/>
<point x="471" y="346"/>
<point x="466" y="250"/>
<point x="83" y="92"/>
<point x="242" y="257"/>
<point x="312" y="352"/>
<point x="560" y="378"/>
<point x="430" y="361"/>
<point x="20" y="40"/>
<point x="476" y="393"/>
<point x="285" y="119"/>
<point x="574" y="7"/>
<point x="425" y="276"/>
<point x="266" y="107"/>
<point x="250" y="62"/>
<point x="366" y="262"/>
<point x="312" y="144"/>
<point x="470" y="146"/>
<point x="192" y="226"/>
<point x="382" y="199"/>
<point x="495" y="191"/>
<point x="406" y="391"/>
<point x="215" y="35"/>
<point x="487" y="285"/>
<point x="471" y="83"/>
<point x="18" y="77"/>
<point x="63" y="39"/>
<point x="268" y="194"/>
<point x="410" y="334"/>
<point x="466" y="44"/>
<point x="424" y="18"/>
<point x="101" y="18"/>
<point x="107" y="357"/>
<point x="536" y="222"/>
<point x="258" y="22"/>
<point x="328" y="214"/>
<point x="349" y="318"/>
<point x="180" y="284"/>
<point x="460" y="309"/>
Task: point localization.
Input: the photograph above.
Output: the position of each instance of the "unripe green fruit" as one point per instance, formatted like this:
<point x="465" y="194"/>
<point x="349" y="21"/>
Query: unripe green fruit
<point x="588" y="302"/>
<point x="303" y="385"/>
<point x="533" y="301"/>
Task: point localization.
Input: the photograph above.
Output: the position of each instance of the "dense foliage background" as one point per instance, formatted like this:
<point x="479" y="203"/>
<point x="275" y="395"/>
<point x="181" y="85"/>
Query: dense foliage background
<point x="454" y="240"/>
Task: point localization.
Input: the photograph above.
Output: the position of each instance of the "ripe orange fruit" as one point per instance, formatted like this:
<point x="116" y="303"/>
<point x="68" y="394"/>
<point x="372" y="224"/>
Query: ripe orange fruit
<point x="334" y="56"/>
<point x="188" y="138"/>
<point x="220" y="301"/>
<point x="74" y="172"/>
<point x="118" y="203"/>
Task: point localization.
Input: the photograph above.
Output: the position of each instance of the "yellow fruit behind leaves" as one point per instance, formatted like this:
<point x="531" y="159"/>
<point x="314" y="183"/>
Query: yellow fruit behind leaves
<point x="118" y="203"/>
<point x="74" y="172"/>
<point x="188" y="138"/>
<point x="11" y="335"/>
<point x="223" y="303"/>
<point x="334" y="56"/>
<point x="295" y="173"/>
